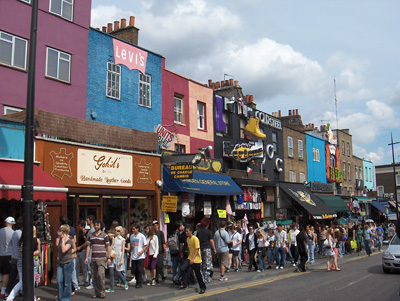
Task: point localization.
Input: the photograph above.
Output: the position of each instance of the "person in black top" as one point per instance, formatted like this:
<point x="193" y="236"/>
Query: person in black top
<point x="301" y="240"/>
<point x="81" y="253"/>
<point x="206" y="246"/>
<point x="177" y="257"/>
<point x="160" y="269"/>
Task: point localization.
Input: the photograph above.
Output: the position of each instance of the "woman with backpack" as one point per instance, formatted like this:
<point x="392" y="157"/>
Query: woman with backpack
<point x="175" y="250"/>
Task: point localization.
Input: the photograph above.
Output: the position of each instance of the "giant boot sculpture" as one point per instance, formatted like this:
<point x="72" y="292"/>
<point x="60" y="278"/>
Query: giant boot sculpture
<point x="253" y="129"/>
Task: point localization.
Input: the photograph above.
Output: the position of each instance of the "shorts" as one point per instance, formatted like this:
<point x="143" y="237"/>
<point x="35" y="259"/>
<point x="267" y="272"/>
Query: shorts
<point x="5" y="265"/>
<point x="223" y="258"/>
<point x="234" y="253"/>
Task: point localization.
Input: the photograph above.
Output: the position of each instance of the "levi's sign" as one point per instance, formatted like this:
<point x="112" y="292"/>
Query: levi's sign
<point x="130" y="56"/>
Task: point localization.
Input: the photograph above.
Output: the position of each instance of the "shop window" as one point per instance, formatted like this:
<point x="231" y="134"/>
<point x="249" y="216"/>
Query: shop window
<point x="141" y="210"/>
<point x="115" y="208"/>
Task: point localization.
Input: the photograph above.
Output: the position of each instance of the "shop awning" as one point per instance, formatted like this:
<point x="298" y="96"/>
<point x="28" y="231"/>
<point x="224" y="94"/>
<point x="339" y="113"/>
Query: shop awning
<point x="335" y="202"/>
<point x="385" y="210"/>
<point x="307" y="200"/>
<point x="202" y="183"/>
<point x="44" y="186"/>
<point x="363" y="199"/>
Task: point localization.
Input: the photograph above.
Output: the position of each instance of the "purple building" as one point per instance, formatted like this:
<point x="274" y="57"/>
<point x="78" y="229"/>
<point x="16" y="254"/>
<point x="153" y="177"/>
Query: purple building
<point x="61" y="55"/>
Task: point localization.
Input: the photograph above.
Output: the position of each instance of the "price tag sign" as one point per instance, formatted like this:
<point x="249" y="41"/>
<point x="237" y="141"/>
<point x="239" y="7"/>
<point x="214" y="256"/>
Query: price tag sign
<point x="221" y="213"/>
<point x="169" y="203"/>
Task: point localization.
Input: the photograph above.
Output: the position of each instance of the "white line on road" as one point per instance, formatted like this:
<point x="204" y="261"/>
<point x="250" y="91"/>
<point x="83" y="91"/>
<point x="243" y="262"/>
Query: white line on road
<point x="351" y="283"/>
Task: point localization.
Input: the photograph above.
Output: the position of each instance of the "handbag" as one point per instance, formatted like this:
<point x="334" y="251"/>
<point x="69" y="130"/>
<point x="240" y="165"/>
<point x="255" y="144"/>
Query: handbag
<point x="353" y="244"/>
<point x="146" y="260"/>
<point x="230" y="244"/>
<point x="326" y="244"/>
<point x="113" y="254"/>
<point x="266" y="244"/>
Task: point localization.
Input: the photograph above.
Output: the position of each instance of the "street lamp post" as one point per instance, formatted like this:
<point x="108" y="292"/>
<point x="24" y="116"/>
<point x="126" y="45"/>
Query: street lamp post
<point x="394" y="174"/>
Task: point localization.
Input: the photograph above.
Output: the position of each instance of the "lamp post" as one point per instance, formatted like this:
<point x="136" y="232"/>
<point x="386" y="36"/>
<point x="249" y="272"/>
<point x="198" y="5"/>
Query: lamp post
<point x="394" y="174"/>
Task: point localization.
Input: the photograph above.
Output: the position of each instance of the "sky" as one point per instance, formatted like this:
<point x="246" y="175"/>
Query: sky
<point x="288" y="54"/>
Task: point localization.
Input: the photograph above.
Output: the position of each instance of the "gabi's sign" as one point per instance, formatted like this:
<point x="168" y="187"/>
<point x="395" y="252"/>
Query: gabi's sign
<point x="130" y="56"/>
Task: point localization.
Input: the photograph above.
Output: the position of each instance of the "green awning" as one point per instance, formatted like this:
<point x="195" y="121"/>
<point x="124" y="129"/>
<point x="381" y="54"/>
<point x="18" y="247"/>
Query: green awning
<point x="363" y="199"/>
<point x="285" y="222"/>
<point x="335" y="202"/>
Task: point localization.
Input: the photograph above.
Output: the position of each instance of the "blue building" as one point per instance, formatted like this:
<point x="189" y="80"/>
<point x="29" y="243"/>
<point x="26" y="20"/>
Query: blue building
<point x="124" y="81"/>
<point x="369" y="173"/>
<point x="12" y="139"/>
<point x="316" y="165"/>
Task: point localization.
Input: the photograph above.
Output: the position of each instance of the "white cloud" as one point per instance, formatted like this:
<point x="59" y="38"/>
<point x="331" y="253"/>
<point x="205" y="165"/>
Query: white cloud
<point x="395" y="99"/>
<point x="103" y="14"/>
<point x="377" y="157"/>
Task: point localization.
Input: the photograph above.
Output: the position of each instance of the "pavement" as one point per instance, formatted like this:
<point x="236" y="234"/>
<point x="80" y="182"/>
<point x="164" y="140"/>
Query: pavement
<point x="166" y="290"/>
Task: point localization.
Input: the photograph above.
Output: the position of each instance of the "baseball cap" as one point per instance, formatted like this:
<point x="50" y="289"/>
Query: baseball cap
<point x="155" y="222"/>
<point x="10" y="220"/>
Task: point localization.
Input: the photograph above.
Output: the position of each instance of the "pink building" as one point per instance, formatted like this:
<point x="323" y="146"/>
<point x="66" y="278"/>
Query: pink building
<point x="61" y="55"/>
<point x="187" y="111"/>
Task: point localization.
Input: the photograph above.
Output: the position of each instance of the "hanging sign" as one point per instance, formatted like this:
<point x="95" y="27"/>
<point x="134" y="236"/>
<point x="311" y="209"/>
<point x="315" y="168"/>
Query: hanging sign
<point x="181" y="171"/>
<point x="169" y="203"/>
<point x="221" y="213"/>
<point x="130" y="56"/>
<point x="165" y="137"/>
<point x="166" y="218"/>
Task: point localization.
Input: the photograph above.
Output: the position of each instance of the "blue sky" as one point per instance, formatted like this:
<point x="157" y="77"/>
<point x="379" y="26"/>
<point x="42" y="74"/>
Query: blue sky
<point x="286" y="54"/>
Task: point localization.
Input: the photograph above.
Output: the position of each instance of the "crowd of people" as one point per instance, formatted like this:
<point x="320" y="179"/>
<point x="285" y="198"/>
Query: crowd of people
<point x="85" y="255"/>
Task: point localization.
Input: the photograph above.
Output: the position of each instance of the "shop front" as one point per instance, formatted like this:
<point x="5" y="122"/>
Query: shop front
<point x="301" y="205"/>
<point x="204" y="195"/>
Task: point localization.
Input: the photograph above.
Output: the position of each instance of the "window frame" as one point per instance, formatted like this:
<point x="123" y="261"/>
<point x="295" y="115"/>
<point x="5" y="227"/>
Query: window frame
<point x="180" y="148"/>
<point x="62" y="8"/>
<point x="343" y="148"/>
<point x="301" y="150"/>
<point x="144" y="83"/>
<point x="15" y="109"/>
<point x="316" y="157"/>
<point x="201" y="116"/>
<point x="344" y="171"/>
<point x="178" y="111"/>
<point x="116" y="74"/>
<point x="58" y="64"/>
<point x="290" y="146"/>
<point x="274" y="138"/>
<point x="348" y="149"/>
<point x="348" y="171"/>
<point x="366" y="173"/>
<point x="302" y="177"/>
<point x="14" y="37"/>
<point x="292" y="176"/>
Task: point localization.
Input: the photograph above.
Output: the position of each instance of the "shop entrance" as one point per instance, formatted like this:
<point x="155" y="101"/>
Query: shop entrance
<point x="86" y="210"/>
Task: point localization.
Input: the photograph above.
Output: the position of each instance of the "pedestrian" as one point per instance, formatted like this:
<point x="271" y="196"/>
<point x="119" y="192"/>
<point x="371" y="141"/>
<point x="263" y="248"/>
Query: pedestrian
<point x="281" y="239"/>
<point x="301" y="242"/>
<point x="175" y="250"/>
<point x="391" y="231"/>
<point x="153" y="253"/>
<point x="367" y="239"/>
<point x="261" y="240"/>
<point x="160" y="269"/>
<point x="221" y="239"/>
<point x="81" y="253"/>
<point x="14" y="255"/>
<point x="89" y="224"/>
<point x="117" y="260"/>
<point x="236" y="238"/>
<point x="36" y="253"/>
<point x="99" y="244"/>
<point x="5" y="252"/>
<point x="359" y="238"/>
<point x="292" y="242"/>
<point x="251" y="248"/>
<point x="329" y="246"/>
<point x="271" y="248"/>
<point x="207" y="246"/>
<point x="65" y="266"/>
<point x="193" y="262"/>
<point x="379" y="233"/>
<point x="138" y="253"/>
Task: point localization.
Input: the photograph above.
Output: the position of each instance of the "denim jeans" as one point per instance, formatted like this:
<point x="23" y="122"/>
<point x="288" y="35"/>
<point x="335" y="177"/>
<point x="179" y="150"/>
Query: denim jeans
<point x="261" y="261"/>
<point x="271" y="254"/>
<point x="311" y="252"/>
<point x="379" y="243"/>
<point x="367" y="245"/>
<point x="176" y="273"/>
<point x="280" y="257"/>
<point x="64" y="279"/>
<point x="74" y="278"/>
<point x="80" y="261"/>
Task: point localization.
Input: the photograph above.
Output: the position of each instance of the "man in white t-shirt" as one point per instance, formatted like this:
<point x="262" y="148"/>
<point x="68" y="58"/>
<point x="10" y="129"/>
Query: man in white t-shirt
<point x="281" y="239"/>
<point x="138" y="253"/>
<point x="5" y="252"/>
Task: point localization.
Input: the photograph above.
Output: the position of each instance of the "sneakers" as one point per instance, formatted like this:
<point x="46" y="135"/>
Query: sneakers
<point x="133" y="281"/>
<point x="202" y="291"/>
<point x="152" y="282"/>
<point x="294" y="264"/>
<point x="281" y="268"/>
<point x="258" y="271"/>
<point x="126" y="286"/>
<point x="223" y="278"/>
<point x="227" y="270"/>
<point x="110" y="290"/>
<point x="90" y="287"/>
<point x="236" y="270"/>
<point x="277" y="267"/>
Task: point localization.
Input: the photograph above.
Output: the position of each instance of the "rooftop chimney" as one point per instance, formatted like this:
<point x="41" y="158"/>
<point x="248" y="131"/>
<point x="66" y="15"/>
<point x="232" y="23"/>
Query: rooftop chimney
<point x="236" y="83"/>
<point x="222" y="83"/>
<point x="123" y="23"/>
<point x="104" y="28"/>
<point x="116" y="25"/>
<point x="290" y="112"/>
<point x="279" y="113"/>
<point x="128" y="33"/>
<point x="109" y="27"/>
<point x="210" y="82"/>
<point x="132" y="21"/>
<point x="231" y="82"/>
<point x="217" y="85"/>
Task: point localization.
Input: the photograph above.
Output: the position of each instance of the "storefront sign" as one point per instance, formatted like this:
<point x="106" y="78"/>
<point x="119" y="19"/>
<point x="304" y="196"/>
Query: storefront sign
<point x="61" y="163"/>
<point x="130" y="56"/>
<point x="103" y="168"/>
<point x="181" y="171"/>
<point x="144" y="171"/>
<point x="165" y="137"/>
<point x="269" y="120"/>
<point x="221" y="213"/>
<point x="169" y="203"/>
<point x="244" y="152"/>
<point x="322" y="187"/>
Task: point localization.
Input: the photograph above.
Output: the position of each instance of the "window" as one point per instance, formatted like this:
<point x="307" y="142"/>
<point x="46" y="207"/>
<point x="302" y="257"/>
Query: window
<point x="366" y="174"/>
<point x="370" y="174"/>
<point x="315" y="154"/>
<point x="300" y="143"/>
<point x="360" y="174"/>
<point x="344" y="171"/>
<point x="180" y="148"/>
<point x="11" y="110"/>
<point x="303" y="177"/>
<point x="292" y="176"/>
<point x="332" y="160"/>
<point x="398" y="180"/>
<point x="275" y="141"/>
<point x="242" y="127"/>
<point x="356" y="172"/>
<point x="62" y="8"/>
<point x="58" y="65"/>
<point x="13" y="50"/>
<point x="144" y="90"/>
<point x="178" y="109"/>
<point x="225" y="118"/>
<point x="343" y="148"/>
<point x="350" y="191"/>
<point x="380" y="190"/>
<point x="348" y="149"/>
<point x="201" y="115"/>
<point x="27" y="1"/>
<point x="113" y="80"/>
<point x="290" y="146"/>
<point x="349" y="172"/>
